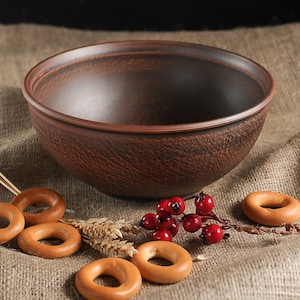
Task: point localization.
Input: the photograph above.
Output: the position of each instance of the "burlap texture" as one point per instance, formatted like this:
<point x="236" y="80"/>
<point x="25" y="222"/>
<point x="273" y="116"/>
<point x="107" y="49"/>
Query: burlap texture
<point x="243" y="267"/>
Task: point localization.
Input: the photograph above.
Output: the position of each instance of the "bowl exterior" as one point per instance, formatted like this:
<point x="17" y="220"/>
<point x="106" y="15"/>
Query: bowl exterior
<point x="148" y="165"/>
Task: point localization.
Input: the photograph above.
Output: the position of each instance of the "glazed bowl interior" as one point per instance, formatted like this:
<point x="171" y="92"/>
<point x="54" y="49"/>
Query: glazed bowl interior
<point x="148" y="119"/>
<point x="152" y="87"/>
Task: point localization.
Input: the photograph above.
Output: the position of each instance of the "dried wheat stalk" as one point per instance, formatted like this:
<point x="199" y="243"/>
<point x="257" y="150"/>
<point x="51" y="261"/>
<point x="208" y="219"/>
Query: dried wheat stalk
<point x="96" y="228"/>
<point x="129" y="227"/>
<point x="112" y="247"/>
<point x="104" y="235"/>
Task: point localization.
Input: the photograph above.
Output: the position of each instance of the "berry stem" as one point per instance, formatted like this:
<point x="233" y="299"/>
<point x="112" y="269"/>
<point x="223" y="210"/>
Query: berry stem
<point x="288" y="228"/>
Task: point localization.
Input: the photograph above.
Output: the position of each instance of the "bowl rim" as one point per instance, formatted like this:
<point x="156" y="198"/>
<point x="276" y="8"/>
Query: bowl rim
<point x="73" y="54"/>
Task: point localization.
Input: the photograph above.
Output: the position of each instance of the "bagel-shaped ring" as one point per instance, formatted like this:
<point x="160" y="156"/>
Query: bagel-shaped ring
<point x="125" y="272"/>
<point x="29" y="240"/>
<point x="56" y="203"/>
<point x="16" y="222"/>
<point x="180" y="259"/>
<point x="271" y="208"/>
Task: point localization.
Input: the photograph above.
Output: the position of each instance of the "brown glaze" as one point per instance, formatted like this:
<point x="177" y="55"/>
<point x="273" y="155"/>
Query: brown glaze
<point x="56" y="203"/>
<point x="180" y="259"/>
<point x="16" y="222"/>
<point x="29" y="240"/>
<point x="271" y="208"/>
<point x="148" y="119"/>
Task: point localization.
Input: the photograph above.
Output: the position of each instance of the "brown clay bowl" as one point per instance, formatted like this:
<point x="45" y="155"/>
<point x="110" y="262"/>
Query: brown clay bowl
<point x="148" y="119"/>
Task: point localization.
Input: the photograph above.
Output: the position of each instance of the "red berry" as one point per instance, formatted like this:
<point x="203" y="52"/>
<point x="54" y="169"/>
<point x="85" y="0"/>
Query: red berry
<point x="174" y="228"/>
<point x="212" y="233"/>
<point x="164" y="219"/>
<point x="204" y="202"/>
<point x="191" y="222"/>
<point x="162" y="205"/>
<point x="149" y="221"/>
<point x="162" y="235"/>
<point x="176" y="205"/>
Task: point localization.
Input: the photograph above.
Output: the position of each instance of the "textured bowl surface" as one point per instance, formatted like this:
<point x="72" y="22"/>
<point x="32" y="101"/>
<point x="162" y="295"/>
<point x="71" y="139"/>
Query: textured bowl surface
<point x="148" y="119"/>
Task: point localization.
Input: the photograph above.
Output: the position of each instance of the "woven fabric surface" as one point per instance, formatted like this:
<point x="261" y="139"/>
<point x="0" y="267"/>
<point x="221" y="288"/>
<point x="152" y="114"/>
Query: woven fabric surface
<point x="246" y="266"/>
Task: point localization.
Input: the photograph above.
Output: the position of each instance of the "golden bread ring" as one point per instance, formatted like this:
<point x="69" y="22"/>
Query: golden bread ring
<point x="29" y="240"/>
<point x="125" y="272"/>
<point x="16" y="222"/>
<point x="40" y="195"/>
<point x="180" y="259"/>
<point x="271" y="208"/>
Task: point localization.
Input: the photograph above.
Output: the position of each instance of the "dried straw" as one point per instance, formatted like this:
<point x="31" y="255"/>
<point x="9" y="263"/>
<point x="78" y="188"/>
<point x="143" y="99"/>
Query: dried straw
<point x="9" y="185"/>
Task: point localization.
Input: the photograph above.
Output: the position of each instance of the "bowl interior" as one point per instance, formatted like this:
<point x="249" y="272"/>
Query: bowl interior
<point x="151" y="87"/>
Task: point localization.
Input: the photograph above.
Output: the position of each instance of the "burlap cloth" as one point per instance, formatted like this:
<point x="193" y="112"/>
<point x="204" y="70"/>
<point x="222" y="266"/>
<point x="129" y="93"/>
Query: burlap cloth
<point x="245" y="266"/>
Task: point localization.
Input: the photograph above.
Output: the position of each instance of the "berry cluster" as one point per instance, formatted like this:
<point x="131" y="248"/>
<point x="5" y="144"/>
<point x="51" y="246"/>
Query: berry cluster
<point x="164" y="223"/>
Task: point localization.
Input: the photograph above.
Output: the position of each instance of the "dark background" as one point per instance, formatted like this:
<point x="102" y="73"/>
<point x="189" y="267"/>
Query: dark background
<point x="150" y="15"/>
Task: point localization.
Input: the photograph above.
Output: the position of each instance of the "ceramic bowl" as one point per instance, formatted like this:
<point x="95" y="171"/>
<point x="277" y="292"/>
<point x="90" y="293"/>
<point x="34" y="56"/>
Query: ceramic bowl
<point x="148" y="119"/>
